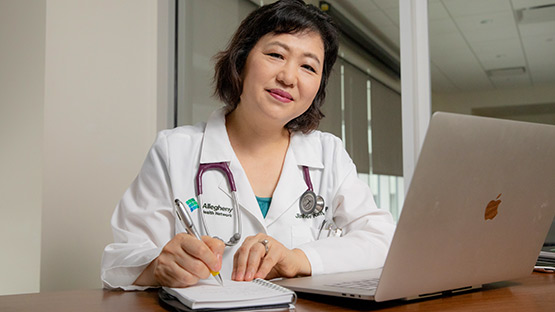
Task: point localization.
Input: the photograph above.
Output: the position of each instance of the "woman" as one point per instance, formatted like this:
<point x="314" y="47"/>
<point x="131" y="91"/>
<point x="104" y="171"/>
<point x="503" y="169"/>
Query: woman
<point x="272" y="79"/>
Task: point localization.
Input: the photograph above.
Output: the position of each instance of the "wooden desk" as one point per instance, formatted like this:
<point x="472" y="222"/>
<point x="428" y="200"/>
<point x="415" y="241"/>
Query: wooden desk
<point x="534" y="293"/>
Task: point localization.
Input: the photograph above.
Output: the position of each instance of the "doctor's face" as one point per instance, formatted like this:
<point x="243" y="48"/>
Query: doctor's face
<point x="282" y="76"/>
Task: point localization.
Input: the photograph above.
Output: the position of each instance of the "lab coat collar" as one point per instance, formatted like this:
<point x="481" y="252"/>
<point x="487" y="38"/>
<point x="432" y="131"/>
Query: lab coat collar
<point x="304" y="150"/>
<point x="215" y="145"/>
<point x="307" y="149"/>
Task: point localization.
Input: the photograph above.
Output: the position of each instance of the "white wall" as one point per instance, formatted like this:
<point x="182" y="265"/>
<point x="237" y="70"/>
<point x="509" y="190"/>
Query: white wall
<point x="100" y="116"/>
<point x="22" y="29"/>
<point x="86" y="89"/>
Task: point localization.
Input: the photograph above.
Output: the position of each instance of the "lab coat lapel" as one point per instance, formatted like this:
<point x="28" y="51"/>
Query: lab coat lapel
<point x="245" y="194"/>
<point x="216" y="147"/>
<point x="303" y="151"/>
<point x="289" y="189"/>
<point x="215" y="143"/>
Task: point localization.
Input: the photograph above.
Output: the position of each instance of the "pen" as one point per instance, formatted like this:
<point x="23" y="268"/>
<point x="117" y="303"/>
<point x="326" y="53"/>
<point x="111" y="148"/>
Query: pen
<point x="185" y="218"/>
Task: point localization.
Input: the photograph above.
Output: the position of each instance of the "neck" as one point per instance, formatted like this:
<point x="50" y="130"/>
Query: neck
<point x="252" y="136"/>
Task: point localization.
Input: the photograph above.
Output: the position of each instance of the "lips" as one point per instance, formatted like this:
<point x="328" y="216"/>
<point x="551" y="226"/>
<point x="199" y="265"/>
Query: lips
<point x="280" y="95"/>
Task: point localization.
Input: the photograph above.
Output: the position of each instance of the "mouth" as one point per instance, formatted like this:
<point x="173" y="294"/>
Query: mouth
<point x="280" y="95"/>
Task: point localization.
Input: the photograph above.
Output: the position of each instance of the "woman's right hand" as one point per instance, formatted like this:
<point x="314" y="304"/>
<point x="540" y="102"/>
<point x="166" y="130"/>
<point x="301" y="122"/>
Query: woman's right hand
<point x="183" y="261"/>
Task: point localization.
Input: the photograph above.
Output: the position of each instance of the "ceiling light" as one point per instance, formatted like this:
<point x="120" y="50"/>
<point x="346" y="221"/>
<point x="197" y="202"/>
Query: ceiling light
<point x="537" y="14"/>
<point x="504" y="72"/>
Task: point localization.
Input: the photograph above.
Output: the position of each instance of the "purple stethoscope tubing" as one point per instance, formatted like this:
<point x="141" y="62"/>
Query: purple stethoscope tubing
<point x="307" y="178"/>
<point x="224" y="168"/>
<point x="310" y="203"/>
<point x="317" y="202"/>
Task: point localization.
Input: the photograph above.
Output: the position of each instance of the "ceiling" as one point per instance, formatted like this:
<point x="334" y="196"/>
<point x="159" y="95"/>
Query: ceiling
<point x="475" y="45"/>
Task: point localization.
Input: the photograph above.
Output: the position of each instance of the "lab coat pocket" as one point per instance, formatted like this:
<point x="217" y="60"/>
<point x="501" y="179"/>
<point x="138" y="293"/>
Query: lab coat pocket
<point x="300" y="234"/>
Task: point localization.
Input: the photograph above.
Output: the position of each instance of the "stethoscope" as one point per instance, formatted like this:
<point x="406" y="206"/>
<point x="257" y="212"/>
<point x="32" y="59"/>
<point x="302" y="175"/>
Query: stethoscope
<point x="309" y="204"/>
<point x="237" y="224"/>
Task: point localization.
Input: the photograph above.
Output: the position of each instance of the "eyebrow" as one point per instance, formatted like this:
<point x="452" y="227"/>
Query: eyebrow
<point x="286" y="47"/>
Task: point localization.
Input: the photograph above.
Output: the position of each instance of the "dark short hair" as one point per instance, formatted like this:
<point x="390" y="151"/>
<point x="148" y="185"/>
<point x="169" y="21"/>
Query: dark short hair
<point x="284" y="16"/>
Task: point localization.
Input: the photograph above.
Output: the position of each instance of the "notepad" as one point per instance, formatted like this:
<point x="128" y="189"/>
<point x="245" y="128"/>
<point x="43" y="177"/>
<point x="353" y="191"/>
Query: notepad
<point x="208" y="294"/>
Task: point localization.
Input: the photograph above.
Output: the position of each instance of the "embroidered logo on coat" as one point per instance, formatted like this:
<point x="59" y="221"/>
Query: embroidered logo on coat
<point x="217" y="210"/>
<point x="192" y="203"/>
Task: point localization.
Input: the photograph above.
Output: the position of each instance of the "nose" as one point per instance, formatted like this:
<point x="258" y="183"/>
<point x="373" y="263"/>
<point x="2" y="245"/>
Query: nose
<point x="287" y="74"/>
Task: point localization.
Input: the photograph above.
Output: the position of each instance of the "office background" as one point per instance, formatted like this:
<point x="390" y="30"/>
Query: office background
<point x="84" y="87"/>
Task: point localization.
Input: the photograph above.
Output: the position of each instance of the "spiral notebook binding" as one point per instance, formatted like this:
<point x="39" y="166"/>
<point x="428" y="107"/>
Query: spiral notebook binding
<point x="277" y="287"/>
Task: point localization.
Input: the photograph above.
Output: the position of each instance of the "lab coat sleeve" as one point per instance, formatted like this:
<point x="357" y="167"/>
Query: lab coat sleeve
<point x="367" y="230"/>
<point x="142" y="222"/>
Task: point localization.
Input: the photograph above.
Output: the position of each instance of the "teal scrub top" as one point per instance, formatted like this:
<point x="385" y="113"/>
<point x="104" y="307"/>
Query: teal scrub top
<point x="264" y="203"/>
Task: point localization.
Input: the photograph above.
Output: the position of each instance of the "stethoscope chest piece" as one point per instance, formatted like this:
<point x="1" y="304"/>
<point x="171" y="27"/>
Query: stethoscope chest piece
<point x="311" y="203"/>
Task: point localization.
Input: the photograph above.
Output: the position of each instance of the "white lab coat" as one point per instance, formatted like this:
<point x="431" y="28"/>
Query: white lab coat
<point x="145" y="220"/>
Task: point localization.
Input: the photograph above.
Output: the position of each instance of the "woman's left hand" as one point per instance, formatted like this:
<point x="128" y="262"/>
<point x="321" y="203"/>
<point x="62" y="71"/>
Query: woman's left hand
<point x="252" y="261"/>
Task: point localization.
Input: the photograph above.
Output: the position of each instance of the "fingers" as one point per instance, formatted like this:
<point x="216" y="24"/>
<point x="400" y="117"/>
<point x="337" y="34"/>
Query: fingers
<point x="255" y="257"/>
<point x="185" y="259"/>
<point x="217" y="247"/>
<point x="266" y="266"/>
<point x="251" y="260"/>
<point x="169" y="273"/>
<point x="241" y="259"/>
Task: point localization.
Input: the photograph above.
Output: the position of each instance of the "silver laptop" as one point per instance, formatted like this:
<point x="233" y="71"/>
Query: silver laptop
<point x="480" y="204"/>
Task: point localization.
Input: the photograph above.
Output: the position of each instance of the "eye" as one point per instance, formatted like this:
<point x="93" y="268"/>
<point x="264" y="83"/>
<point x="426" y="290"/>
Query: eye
<point x="275" y="55"/>
<point x="308" y="67"/>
